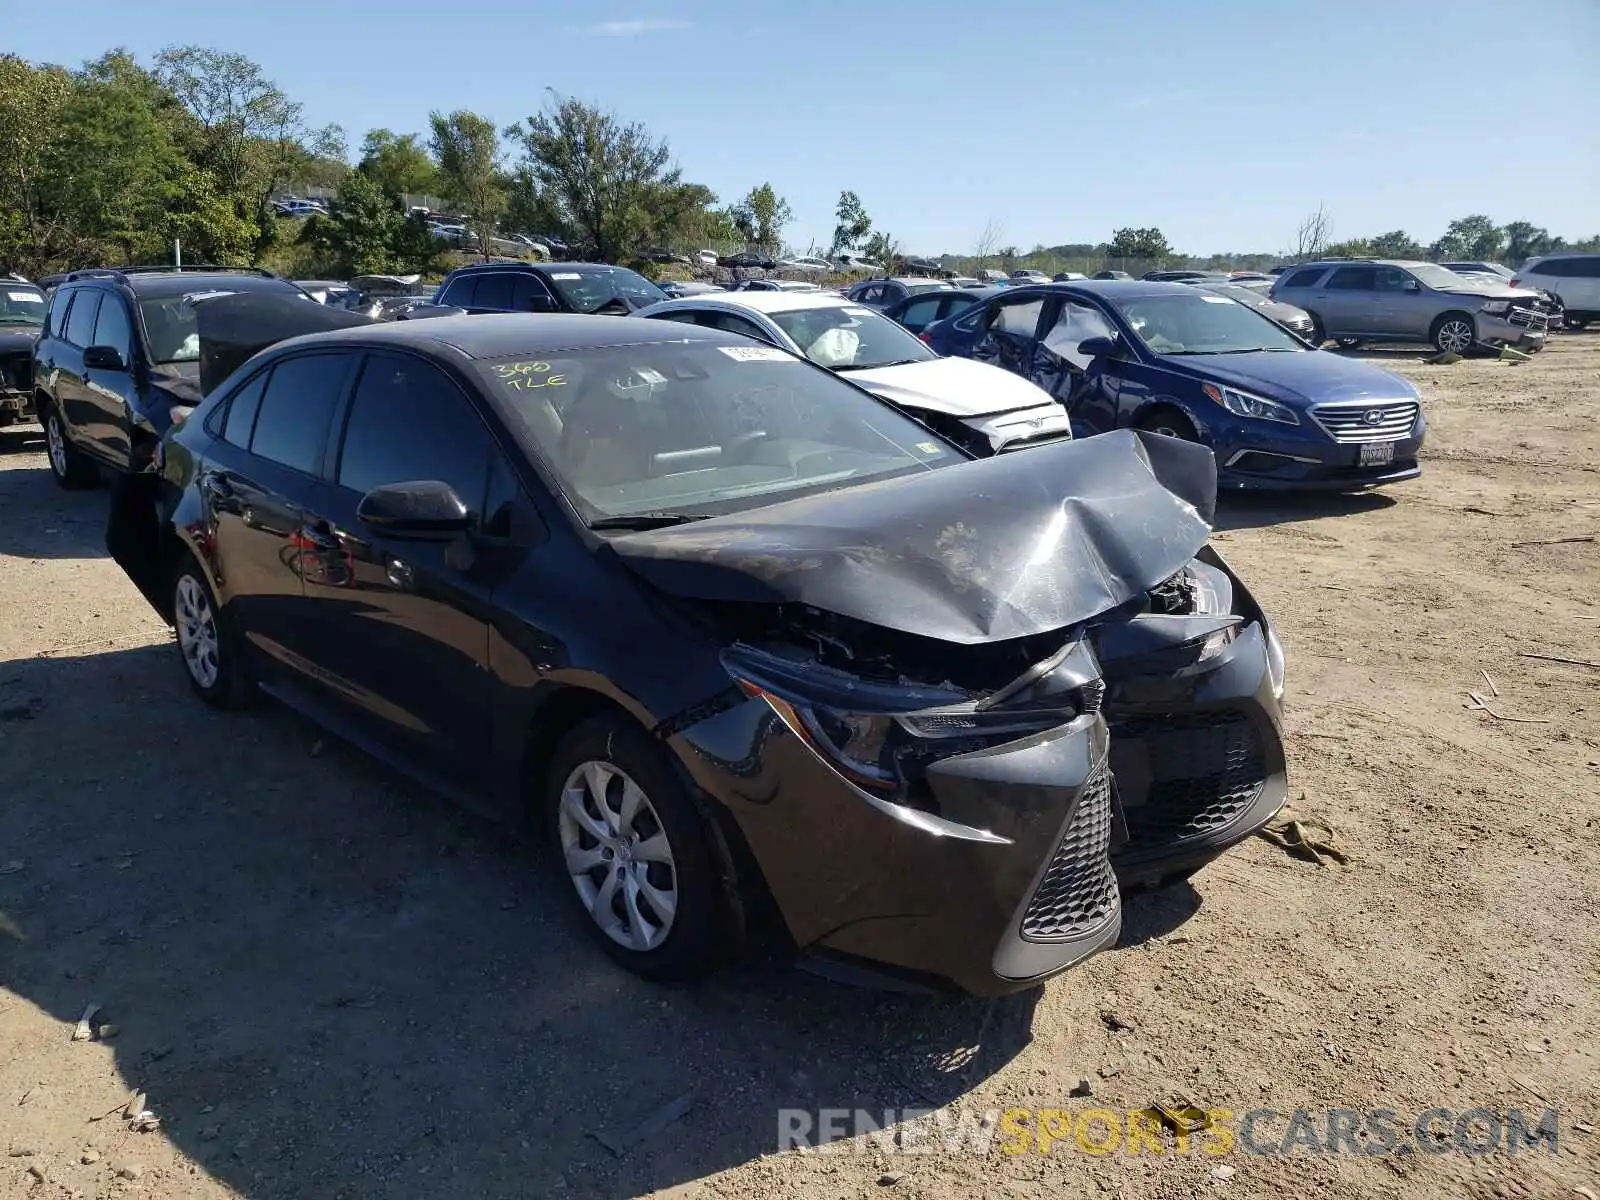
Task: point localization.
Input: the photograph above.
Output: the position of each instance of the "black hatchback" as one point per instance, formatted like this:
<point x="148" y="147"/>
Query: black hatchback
<point x="118" y="355"/>
<point x="743" y="639"/>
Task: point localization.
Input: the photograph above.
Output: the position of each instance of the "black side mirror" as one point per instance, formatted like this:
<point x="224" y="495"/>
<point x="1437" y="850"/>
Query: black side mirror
<point x="423" y="508"/>
<point x="1098" y="347"/>
<point x="103" y="358"/>
<point x="540" y="304"/>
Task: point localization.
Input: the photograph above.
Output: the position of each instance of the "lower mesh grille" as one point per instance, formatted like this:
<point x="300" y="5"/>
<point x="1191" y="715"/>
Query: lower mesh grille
<point x="1205" y="770"/>
<point x="1078" y="893"/>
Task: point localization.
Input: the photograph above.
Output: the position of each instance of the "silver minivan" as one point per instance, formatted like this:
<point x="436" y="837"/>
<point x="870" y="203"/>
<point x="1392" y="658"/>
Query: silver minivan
<point x="1390" y="300"/>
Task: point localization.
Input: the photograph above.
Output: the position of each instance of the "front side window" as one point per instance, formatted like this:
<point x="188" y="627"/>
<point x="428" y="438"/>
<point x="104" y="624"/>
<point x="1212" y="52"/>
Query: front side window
<point x="408" y="422"/>
<point x="1391" y="279"/>
<point x="1075" y="324"/>
<point x="528" y="293"/>
<point x="59" y="303"/>
<point x="1198" y="323"/>
<point x="292" y="425"/>
<point x="80" y="324"/>
<point x="847" y="337"/>
<point x="240" y="421"/>
<point x="695" y="429"/>
<point x="111" y="328"/>
<point x="732" y="323"/>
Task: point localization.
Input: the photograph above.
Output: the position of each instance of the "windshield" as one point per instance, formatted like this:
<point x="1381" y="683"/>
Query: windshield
<point x="591" y="290"/>
<point x="682" y="429"/>
<point x="169" y="328"/>
<point x="850" y="338"/>
<point x="1234" y="292"/>
<point x="1200" y="323"/>
<point x="21" y="305"/>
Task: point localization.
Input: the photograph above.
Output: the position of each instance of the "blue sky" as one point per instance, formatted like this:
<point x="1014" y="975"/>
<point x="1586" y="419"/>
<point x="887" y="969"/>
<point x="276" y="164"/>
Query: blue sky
<point x="1222" y="122"/>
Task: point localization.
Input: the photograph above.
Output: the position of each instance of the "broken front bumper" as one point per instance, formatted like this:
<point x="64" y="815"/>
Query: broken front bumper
<point x="1000" y="882"/>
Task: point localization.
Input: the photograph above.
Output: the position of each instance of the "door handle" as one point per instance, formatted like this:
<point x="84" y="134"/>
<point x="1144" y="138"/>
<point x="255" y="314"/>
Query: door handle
<point x="319" y="537"/>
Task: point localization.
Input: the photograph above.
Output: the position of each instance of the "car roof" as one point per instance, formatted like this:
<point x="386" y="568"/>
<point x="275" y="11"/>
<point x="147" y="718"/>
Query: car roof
<point x="761" y="302"/>
<point x="1118" y="289"/>
<point x="1565" y="254"/>
<point x="181" y="283"/>
<point x="495" y="335"/>
<point x="517" y="264"/>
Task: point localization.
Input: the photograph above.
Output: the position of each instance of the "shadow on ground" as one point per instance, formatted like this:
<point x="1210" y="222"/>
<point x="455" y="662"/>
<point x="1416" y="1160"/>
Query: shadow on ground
<point x="331" y="983"/>
<point x="1249" y="510"/>
<point x="44" y="520"/>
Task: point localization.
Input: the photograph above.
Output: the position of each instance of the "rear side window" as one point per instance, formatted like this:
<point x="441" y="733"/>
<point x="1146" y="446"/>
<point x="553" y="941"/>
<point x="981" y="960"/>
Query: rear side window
<point x="241" y="418"/>
<point x="732" y="324"/>
<point x="57" y="324"/>
<point x="460" y="292"/>
<point x="920" y="313"/>
<point x="494" y="291"/>
<point x="1353" y="279"/>
<point x="1306" y="278"/>
<point x="112" y="328"/>
<point x="527" y="291"/>
<point x="409" y="422"/>
<point x="80" y="324"/>
<point x="292" y="425"/>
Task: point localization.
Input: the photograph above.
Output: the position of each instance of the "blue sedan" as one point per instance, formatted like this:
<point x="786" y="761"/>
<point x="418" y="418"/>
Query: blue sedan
<point x="1172" y="359"/>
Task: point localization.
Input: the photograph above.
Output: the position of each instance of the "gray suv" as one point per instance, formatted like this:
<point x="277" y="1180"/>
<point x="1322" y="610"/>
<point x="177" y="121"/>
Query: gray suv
<point x="1384" y="300"/>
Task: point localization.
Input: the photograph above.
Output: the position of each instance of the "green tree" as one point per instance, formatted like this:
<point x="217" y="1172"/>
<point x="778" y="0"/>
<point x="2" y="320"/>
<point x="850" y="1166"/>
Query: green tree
<point x="1474" y="237"/>
<point x="1148" y="243"/>
<point x="882" y="248"/>
<point x="1397" y="243"/>
<point x="467" y="149"/>
<point x="31" y="102"/>
<point x="358" y="234"/>
<point x="760" y="217"/>
<point x="853" y="224"/>
<point x="398" y="163"/>
<point x="599" y="174"/>
<point x="1525" y="240"/>
<point x="1354" y="248"/>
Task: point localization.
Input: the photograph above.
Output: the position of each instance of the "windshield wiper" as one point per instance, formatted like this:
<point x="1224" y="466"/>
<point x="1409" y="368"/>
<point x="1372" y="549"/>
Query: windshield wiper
<point x="642" y="520"/>
<point x="1240" y="350"/>
<point x="899" y="362"/>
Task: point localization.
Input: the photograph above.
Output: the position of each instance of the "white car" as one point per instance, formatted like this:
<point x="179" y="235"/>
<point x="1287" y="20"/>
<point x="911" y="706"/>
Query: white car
<point x="705" y="258"/>
<point x="849" y="260"/>
<point x="983" y="409"/>
<point x="1573" y="278"/>
<point x="808" y="263"/>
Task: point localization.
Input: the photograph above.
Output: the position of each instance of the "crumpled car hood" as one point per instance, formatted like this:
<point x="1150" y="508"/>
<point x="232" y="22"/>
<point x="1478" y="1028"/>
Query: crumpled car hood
<point x="986" y="551"/>
<point x="16" y="338"/>
<point x="957" y="386"/>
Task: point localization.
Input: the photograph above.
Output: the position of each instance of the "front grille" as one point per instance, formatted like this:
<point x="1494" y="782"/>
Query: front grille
<point x="1078" y="893"/>
<point x="1530" y="319"/>
<point x="1381" y="421"/>
<point x="1205" y="770"/>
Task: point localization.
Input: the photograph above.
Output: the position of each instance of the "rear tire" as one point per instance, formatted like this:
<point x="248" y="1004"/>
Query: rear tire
<point x="635" y="852"/>
<point x="68" y="465"/>
<point x="207" y="647"/>
<point x="1348" y="343"/>
<point x="1576" y="324"/>
<point x="1170" y="422"/>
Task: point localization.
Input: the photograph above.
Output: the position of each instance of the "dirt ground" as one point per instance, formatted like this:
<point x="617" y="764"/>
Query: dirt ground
<point x="331" y="984"/>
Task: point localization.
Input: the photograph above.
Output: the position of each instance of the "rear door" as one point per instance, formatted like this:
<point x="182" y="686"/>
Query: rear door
<point x="402" y="624"/>
<point x="1010" y="331"/>
<point x="1346" y="301"/>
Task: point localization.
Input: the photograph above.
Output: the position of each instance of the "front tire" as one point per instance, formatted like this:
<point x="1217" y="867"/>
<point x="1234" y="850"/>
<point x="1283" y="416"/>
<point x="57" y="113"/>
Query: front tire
<point x="1454" y="333"/>
<point x="635" y="852"/>
<point x="206" y="645"/>
<point x="1350" y="343"/>
<point x="1170" y="423"/>
<point x="68" y="465"/>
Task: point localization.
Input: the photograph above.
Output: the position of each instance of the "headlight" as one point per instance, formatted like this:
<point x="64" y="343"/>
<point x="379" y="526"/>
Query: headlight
<point x="1243" y="404"/>
<point x="1495" y="307"/>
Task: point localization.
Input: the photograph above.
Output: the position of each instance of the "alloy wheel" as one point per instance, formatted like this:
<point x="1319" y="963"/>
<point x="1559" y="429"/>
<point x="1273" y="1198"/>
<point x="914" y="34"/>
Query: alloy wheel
<point x="197" y="631"/>
<point x="56" y="444"/>
<point x="618" y="856"/>
<point x="1456" y="336"/>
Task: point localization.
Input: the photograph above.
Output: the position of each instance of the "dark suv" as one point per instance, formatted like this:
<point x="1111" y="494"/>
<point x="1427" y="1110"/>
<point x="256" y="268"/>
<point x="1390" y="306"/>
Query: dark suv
<point x="118" y="353"/>
<point x="22" y="308"/>
<point x="496" y="287"/>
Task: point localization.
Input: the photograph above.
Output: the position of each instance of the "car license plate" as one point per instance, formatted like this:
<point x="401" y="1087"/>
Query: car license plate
<point x="1376" y="454"/>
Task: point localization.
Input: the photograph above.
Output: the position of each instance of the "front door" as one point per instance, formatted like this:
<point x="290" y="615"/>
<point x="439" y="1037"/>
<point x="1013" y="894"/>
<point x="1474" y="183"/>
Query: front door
<point x="402" y="624"/>
<point x="108" y="391"/>
<point x="1064" y="371"/>
<point x="1010" y="331"/>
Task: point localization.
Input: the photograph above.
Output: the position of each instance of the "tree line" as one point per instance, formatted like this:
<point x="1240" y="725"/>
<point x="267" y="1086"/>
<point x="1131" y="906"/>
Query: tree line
<point x="115" y="160"/>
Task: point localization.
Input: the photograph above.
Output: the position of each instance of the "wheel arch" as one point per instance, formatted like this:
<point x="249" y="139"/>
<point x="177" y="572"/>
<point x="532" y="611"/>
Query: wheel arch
<point x="1438" y="322"/>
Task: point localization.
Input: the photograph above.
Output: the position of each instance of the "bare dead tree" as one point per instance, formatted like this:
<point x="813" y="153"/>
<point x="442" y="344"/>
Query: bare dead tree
<point x="988" y="241"/>
<point x="1311" y="237"/>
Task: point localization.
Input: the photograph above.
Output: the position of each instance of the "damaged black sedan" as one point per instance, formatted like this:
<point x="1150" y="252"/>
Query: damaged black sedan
<point x="750" y="645"/>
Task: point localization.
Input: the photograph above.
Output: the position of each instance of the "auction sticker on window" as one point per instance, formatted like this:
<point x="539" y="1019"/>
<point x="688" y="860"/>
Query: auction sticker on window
<point x="566" y="275"/>
<point x="1216" y="299"/>
<point x="25" y="297"/>
<point x="756" y="354"/>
